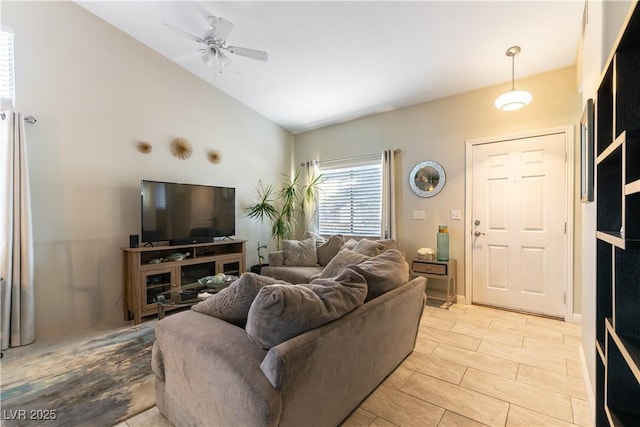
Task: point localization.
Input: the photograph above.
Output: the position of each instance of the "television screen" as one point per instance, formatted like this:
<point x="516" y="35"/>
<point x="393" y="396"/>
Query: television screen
<point x="186" y="213"/>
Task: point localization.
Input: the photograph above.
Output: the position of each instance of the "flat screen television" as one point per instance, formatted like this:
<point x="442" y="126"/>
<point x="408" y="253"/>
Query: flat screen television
<point x="186" y="213"/>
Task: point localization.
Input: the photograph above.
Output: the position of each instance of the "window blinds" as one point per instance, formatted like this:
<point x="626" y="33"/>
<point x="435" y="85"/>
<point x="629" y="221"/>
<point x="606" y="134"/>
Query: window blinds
<point x="350" y="200"/>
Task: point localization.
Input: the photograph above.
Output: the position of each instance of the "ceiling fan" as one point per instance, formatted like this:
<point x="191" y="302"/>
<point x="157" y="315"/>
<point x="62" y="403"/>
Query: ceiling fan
<point x="215" y="45"/>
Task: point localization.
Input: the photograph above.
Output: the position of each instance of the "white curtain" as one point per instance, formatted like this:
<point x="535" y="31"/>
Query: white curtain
<point x="17" y="321"/>
<point x="310" y="207"/>
<point x="388" y="223"/>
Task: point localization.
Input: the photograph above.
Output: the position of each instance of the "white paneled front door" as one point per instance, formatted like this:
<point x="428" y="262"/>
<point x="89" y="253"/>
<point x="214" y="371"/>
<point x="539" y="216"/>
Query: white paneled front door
<point x="518" y="224"/>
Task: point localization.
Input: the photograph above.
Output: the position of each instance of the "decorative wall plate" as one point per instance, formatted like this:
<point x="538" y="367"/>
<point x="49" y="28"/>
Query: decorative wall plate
<point x="181" y="148"/>
<point x="214" y="156"/>
<point x="144" y="147"/>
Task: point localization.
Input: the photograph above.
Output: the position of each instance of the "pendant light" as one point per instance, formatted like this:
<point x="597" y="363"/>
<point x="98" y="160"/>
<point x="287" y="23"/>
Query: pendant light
<point x="514" y="99"/>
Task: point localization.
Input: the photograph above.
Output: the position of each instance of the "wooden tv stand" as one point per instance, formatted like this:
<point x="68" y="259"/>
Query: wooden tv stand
<point x="143" y="278"/>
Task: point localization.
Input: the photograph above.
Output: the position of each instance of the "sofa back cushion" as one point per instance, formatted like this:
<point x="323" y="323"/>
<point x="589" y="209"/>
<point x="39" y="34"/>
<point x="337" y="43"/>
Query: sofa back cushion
<point x="388" y="244"/>
<point x="343" y="258"/>
<point x="300" y="252"/>
<point x="383" y="272"/>
<point x="282" y="311"/>
<point x="350" y="244"/>
<point x="232" y="303"/>
<point x="328" y="249"/>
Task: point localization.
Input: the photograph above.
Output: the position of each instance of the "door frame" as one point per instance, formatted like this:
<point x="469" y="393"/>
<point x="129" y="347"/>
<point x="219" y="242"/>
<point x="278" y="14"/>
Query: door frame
<point x="569" y="133"/>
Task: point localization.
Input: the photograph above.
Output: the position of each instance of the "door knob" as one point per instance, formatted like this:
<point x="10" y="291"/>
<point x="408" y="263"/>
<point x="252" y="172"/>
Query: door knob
<point x="478" y="234"/>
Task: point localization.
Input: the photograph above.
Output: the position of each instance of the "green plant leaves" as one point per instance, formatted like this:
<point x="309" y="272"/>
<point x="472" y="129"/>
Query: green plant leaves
<point x="290" y="198"/>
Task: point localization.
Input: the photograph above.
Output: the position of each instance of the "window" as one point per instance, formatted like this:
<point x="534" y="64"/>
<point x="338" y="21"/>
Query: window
<point x="350" y="200"/>
<point x="7" y="93"/>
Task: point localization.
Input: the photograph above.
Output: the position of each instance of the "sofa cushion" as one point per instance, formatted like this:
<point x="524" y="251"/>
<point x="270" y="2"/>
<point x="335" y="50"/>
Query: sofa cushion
<point x="343" y="258"/>
<point x="292" y="274"/>
<point x="276" y="259"/>
<point x="383" y="272"/>
<point x="280" y="312"/>
<point x="388" y="244"/>
<point x="329" y="248"/>
<point x="350" y="244"/>
<point x="369" y="247"/>
<point x="315" y="236"/>
<point x="300" y="252"/>
<point x="233" y="302"/>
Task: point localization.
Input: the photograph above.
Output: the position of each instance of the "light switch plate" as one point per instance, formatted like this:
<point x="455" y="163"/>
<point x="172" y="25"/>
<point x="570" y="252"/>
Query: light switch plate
<point x="456" y="214"/>
<point x="418" y="215"/>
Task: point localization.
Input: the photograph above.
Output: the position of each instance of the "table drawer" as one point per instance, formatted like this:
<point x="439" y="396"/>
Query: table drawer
<point x="423" y="267"/>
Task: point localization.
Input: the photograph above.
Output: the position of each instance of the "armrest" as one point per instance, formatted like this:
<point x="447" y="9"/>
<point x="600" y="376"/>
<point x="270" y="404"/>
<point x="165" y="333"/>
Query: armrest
<point x="276" y="259"/>
<point x="352" y="354"/>
<point x="211" y="370"/>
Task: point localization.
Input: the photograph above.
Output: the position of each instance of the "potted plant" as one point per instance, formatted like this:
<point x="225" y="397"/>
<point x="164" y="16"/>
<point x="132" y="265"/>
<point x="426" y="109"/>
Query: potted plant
<point x="283" y="207"/>
<point x="258" y="267"/>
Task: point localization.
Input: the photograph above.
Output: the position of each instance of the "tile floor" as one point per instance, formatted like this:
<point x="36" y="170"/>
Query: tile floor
<point x="475" y="366"/>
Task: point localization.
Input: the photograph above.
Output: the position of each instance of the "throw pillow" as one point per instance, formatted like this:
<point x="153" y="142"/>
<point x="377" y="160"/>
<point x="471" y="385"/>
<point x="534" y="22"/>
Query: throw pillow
<point x="343" y="258"/>
<point x="388" y="244"/>
<point x="369" y="247"/>
<point x="315" y="236"/>
<point x="383" y="272"/>
<point x="281" y="312"/>
<point x="300" y="252"/>
<point x="329" y="249"/>
<point x="232" y="303"/>
<point x="350" y="244"/>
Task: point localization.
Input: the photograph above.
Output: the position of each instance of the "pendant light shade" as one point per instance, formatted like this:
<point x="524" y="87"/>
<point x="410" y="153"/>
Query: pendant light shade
<point x="514" y="99"/>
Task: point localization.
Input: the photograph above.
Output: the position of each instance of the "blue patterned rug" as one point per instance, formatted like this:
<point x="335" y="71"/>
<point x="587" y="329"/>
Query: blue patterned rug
<point x="98" y="383"/>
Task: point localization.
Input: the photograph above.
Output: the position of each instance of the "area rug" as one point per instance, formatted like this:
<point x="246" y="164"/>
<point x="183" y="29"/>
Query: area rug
<point x="98" y="383"/>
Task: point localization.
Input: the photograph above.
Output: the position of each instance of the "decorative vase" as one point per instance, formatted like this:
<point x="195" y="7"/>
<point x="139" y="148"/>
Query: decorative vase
<point x="443" y="243"/>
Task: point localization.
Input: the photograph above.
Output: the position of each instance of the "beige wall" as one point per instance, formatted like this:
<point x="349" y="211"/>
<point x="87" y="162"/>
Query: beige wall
<point x="437" y="131"/>
<point x="95" y="92"/>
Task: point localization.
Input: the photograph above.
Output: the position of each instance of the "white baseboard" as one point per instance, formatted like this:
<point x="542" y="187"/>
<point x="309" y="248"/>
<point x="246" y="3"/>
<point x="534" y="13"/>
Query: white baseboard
<point x="576" y="318"/>
<point x="587" y="383"/>
<point x="460" y="299"/>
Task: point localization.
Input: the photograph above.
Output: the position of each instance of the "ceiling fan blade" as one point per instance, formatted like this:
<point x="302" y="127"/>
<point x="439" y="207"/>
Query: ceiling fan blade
<point x="249" y="53"/>
<point x="224" y="60"/>
<point x="184" y="33"/>
<point x="221" y="27"/>
<point x="187" y="56"/>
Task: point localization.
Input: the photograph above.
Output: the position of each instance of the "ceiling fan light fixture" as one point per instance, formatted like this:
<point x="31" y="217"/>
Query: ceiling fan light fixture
<point x="207" y="58"/>
<point x="214" y="43"/>
<point x="514" y="99"/>
<point x="224" y="60"/>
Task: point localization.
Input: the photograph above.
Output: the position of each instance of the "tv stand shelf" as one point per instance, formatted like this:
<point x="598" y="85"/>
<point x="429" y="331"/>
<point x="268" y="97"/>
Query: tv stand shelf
<point x="146" y="273"/>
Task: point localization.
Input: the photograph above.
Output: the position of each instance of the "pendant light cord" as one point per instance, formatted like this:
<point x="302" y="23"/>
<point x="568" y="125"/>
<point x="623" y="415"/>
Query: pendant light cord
<point x="513" y="72"/>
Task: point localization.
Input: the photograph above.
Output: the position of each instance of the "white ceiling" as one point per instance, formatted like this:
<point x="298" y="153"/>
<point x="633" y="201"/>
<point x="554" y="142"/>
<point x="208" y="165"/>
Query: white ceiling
<point x="332" y="61"/>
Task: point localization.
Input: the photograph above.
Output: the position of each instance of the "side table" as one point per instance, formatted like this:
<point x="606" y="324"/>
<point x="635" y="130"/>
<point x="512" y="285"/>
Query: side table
<point x="442" y="270"/>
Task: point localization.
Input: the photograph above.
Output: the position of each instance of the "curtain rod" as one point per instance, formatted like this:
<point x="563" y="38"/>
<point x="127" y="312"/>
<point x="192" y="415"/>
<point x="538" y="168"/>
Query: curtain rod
<point x="29" y="119"/>
<point x="347" y="159"/>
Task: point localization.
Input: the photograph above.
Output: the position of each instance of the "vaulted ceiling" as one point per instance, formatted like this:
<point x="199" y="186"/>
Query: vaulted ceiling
<point x="331" y="61"/>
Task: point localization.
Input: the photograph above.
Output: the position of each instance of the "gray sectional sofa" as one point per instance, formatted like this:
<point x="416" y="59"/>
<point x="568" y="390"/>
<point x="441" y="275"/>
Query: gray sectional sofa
<point x="303" y="269"/>
<point x="266" y="352"/>
<point x="209" y="372"/>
